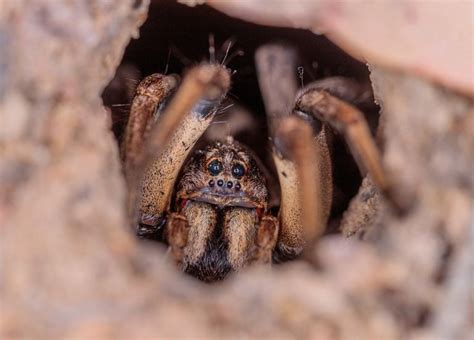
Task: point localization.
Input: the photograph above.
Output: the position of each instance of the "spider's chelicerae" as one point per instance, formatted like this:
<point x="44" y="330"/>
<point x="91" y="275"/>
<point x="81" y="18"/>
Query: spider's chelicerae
<point x="211" y="205"/>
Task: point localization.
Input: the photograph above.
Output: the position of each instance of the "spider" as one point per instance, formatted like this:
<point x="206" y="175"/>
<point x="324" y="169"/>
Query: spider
<point x="211" y="205"/>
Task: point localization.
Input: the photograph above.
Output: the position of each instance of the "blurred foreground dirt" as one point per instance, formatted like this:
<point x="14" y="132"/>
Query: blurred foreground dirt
<point x="71" y="269"/>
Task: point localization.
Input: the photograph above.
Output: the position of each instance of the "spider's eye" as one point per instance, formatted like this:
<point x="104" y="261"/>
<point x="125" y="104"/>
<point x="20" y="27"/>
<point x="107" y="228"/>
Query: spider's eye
<point x="215" y="167"/>
<point x="238" y="170"/>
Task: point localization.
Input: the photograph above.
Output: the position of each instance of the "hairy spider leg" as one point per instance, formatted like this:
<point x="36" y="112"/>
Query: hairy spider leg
<point x="297" y="153"/>
<point x="349" y="121"/>
<point x="178" y="128"/>
<point x="161" y="147"/>
<point x="301" y="155"/>
<point x="150" y="93"/>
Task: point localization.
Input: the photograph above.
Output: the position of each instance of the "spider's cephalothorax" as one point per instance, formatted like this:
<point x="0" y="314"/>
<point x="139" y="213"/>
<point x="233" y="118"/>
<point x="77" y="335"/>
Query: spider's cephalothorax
<point x="225" y="175"/>
<point x="222" y="197"/>
<point x="213" y="213"/>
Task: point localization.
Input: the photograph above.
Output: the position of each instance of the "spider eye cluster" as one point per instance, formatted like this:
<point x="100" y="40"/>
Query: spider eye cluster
<point x="238" y="171"/>
<point x="215" y="167"/>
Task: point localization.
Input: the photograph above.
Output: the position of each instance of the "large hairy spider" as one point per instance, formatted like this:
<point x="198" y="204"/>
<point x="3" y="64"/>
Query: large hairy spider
<point x="211" y="205"/>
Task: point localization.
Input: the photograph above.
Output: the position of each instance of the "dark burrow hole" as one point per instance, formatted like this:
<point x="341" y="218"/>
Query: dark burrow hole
<point x="185" y="32"/>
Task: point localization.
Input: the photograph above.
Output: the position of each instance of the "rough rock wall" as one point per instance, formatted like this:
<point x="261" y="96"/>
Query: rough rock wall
<point x="62" y="194"/>
<point x="429" y="151"/>
<point x="70" y="269"/>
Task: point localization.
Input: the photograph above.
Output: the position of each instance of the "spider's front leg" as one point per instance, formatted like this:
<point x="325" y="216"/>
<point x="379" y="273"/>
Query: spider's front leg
<point x="172" y="137"/>
<point x="150" y="94"/>
<point x="302" y="159"/>
<point x="301" y="154"/>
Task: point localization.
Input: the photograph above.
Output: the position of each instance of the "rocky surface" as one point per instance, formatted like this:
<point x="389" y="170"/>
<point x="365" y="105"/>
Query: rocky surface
<point x="70" y="268"/>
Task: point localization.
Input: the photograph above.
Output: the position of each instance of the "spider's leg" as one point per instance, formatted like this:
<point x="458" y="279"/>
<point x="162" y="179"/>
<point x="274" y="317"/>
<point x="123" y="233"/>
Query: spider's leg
<point x="184" y="120"/>
<point x="304" y="170"/>
<point x="350" y="122"/>
<point x="351" y="91"/>
<point x="149" y="95"/>
<point x="301" y="155"/>
<point x="276" y="69"/>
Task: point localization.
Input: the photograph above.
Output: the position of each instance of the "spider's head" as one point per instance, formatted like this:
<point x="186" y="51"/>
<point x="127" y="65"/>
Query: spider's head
<point x="222" y="193"/>
<point x="225" y="175"/>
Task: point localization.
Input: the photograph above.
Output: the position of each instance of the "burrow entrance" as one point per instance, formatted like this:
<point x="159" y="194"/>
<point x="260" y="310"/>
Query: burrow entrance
<point x="176" y="36"/>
